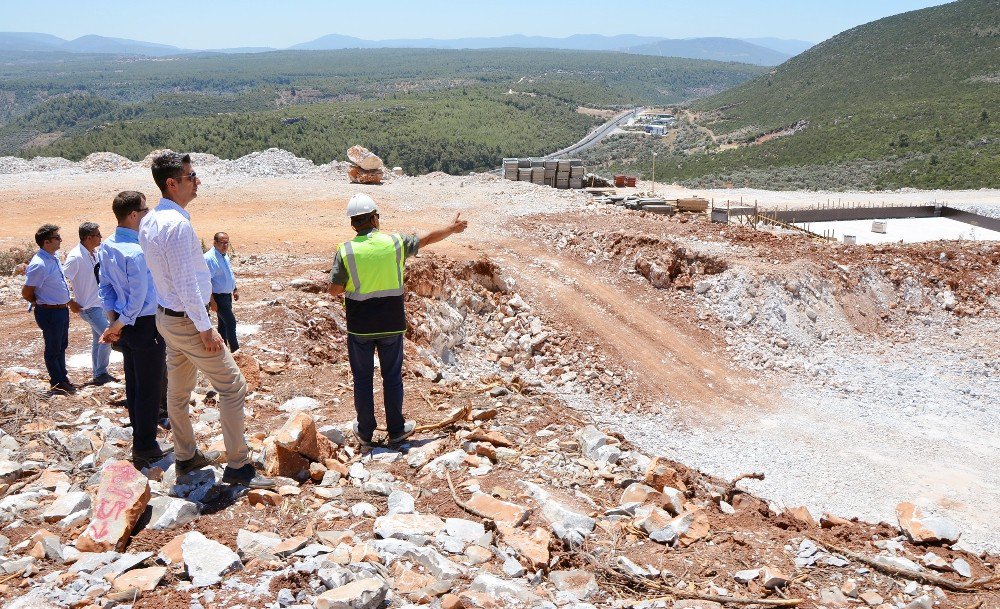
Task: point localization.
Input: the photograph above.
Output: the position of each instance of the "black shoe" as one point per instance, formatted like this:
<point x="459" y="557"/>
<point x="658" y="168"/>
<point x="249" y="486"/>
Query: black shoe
<point x="144" y="458"/>
<point x="364" y="442"/>
<point x="63" y="388"/>
<point x="165" y="423"/>
<point x="198" y="461"/>
<point x="246" y="476"/>
<point x="408" y="428"/>
<point x="104" y="379"/>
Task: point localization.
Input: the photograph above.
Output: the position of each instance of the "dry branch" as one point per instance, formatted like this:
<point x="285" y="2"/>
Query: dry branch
<point x="731" y="600"/>
<point x="460" y="414"/>
<point x="465" y="506"/>
<point x="731" y="489"/>
<point x="926" y="578"/>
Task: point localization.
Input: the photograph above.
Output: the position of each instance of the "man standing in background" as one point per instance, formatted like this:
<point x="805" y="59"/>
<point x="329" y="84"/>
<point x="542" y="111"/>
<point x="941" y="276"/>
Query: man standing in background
<point x="128" y="296"/>
<point x="81" y="269"/>
<point x="45" y="288"/>
<point x="224" y="290"/>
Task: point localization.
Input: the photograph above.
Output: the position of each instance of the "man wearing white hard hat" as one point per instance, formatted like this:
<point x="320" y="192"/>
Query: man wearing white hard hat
<point x="368" y="271"/>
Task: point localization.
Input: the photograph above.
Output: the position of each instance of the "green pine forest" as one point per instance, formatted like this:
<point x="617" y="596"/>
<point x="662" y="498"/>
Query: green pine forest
<point x="911" y="100"/>
<point x="424" y="110"/>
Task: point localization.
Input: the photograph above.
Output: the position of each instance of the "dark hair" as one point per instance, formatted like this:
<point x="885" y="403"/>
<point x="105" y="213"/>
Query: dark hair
<point x="45" y="232"/>
<point x="87" y="229"/>
<point x="364" y="220"/>
<point x="168" y="165"/>
<point x="215" y="237"/>
<point x="126" y="202"/>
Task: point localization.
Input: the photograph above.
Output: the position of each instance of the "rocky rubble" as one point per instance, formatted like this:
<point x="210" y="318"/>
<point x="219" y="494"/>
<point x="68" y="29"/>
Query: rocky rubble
<point x="543" y="512"/>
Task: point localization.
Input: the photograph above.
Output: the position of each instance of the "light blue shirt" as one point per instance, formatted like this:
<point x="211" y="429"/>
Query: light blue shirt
<point x="126" y="285"/>
<point x="223" y="281"/>
<point x="45" y="274"/>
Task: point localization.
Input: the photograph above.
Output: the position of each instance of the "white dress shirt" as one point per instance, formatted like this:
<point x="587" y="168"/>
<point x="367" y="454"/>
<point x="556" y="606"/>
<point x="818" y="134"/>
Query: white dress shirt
<point x="173" y="254"/>
<point x="79" y="271"/>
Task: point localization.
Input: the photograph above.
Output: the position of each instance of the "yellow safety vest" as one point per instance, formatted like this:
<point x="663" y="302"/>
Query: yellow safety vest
<point x="374" y="289"/>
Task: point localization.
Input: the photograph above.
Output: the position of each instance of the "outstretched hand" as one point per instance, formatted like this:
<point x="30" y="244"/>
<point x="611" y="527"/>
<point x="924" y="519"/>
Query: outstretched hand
<point x="458" y="224"/>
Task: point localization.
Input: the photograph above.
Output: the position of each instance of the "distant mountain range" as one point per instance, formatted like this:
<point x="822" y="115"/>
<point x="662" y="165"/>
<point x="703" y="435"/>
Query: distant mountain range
<point x="759" y="51"/>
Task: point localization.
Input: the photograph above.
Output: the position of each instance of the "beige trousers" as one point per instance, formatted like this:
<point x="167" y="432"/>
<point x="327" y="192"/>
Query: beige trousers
<point x="186" y="355"/>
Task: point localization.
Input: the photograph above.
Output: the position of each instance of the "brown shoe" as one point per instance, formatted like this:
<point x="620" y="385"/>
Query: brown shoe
<point x="198" y="461"/>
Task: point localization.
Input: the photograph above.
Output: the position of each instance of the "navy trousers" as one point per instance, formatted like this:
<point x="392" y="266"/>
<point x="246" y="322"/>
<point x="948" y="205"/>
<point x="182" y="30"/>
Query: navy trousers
<point x="145" y="360"/>
<point x="227" y="321"/>
<point x="55" y="331"/>
<point x="361" y="352"/>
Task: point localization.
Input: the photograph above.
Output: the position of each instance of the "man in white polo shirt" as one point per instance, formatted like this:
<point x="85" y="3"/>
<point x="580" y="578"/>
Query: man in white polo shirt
<point x="183" y="290"/>
<point x="79" y="269"/>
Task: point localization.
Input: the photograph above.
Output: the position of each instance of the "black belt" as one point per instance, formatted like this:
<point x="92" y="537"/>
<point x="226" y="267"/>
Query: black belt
<point x="51" y="306"/>
<point x="171" y="312"/>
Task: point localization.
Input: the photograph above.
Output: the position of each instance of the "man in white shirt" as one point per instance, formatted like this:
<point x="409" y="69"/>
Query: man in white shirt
<point x="183" y="290"/>
<point x="81" y="273"/>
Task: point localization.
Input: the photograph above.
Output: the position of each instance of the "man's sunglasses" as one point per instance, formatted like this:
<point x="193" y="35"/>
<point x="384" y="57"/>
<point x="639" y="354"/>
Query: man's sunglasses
<point x="191" y="176"/>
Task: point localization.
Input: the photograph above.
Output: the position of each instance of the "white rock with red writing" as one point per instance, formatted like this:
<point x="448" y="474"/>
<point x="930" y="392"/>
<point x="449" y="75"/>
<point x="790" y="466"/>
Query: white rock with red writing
<point x="121" y="499"/>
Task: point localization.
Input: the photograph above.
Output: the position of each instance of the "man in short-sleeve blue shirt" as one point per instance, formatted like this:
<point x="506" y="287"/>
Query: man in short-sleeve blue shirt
<point x="224" y="290"/>
<point x="46" y="289"/>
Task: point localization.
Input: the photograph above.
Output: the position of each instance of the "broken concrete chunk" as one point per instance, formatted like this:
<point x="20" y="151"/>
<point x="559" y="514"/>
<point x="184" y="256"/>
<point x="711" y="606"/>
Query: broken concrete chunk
<point x="143" y="580"/>
<point x="568" y="524"/>
<point x="574" y="585"/>
<point x="407" y="526"/>
<point x="655" y="522"/>
<point x="70" y="503"/>
<point x="298" y="435"/>
<point x="533" y="548"/>
<point x="923" y="528"/>
<point x="207" y="560"/>
<point x="468" y="531"/>
<point x="499" y="511"/>
<point x="962" y="567"/>
<point x="368" y="593"/>
<point x="506" y="590"/>
<point x="170" y="512"/>
<point x="299" y="404"/>
<point x="659" y="474"/>
<point x="280" y="461"/>
<point x="637" y="492"/>
<point x="401" y="502"/>
<point x="256" y="545"/>
<point x="747" y="576"/>
<point x="121" y="499"/>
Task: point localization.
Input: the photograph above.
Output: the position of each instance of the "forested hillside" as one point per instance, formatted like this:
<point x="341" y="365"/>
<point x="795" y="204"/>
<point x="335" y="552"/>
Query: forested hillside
<point x="910" y="100"/>
<point x="423" y="109"/>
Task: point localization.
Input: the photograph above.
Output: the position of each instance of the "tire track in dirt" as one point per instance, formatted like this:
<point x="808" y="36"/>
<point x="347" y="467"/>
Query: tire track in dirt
<point x="672" y="358"/>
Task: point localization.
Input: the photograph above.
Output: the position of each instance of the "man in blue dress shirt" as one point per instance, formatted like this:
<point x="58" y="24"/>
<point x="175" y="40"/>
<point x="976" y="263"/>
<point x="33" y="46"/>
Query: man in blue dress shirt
<point x="46" y="289"/>
<point x="224" y="290"/>
<point x="129" y="298"/>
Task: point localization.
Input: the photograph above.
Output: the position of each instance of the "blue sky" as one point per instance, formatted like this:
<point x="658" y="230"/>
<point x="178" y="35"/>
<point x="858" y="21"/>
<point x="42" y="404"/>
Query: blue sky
<point x="230" y="23"/>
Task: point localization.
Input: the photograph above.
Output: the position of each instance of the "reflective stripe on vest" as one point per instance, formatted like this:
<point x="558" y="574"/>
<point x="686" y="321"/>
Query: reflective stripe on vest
<point x="373" y="277"/>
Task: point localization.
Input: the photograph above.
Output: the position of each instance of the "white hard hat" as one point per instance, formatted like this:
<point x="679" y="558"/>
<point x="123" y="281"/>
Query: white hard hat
<point x="360" y="204"/>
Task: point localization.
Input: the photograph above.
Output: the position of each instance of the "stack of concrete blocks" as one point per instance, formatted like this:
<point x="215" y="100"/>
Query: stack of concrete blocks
<point x="576" y="172"/>
<point x="537" y="173"/>
<point x="510" y="169"/>
<point x="561" y="173"/>
<point x="550" y="173"/>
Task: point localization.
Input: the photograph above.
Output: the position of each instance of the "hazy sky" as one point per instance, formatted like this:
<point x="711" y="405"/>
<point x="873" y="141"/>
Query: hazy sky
<point x="231" y="23"/>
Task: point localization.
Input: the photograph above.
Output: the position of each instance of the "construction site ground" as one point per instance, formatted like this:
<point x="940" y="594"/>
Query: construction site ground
<point x="853" y="378"/>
